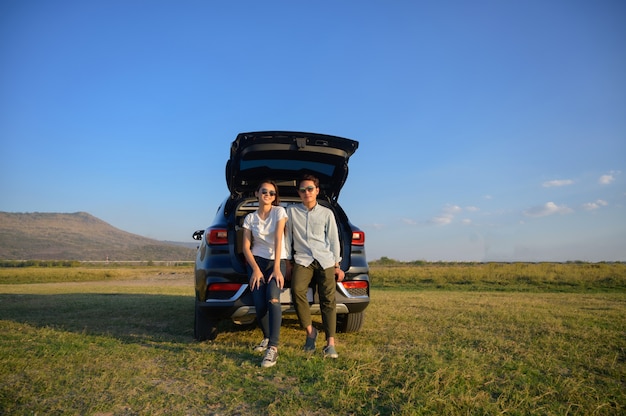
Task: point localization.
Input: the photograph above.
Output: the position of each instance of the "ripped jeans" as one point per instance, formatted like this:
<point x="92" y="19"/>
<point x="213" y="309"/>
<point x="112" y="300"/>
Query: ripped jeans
<point x="267" y="302"/>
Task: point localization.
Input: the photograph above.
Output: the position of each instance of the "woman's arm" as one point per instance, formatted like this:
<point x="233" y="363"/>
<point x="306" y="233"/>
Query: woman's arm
<point x="256" y="275"/>
<point x="278" y="244"/>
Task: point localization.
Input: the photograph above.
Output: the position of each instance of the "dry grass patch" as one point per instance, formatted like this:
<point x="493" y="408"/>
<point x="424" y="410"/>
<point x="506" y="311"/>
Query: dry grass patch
<point x="28" y="275"/>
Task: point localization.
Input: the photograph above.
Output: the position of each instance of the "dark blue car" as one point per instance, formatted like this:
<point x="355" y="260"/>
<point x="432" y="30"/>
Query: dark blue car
<point x="221" y="281"/>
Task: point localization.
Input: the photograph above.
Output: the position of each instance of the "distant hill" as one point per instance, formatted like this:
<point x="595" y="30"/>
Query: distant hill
<point x="79" y="236"/>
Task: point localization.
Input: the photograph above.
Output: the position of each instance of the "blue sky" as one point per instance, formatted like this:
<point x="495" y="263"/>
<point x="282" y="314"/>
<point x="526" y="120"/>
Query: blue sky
<point x="488" y="130"/>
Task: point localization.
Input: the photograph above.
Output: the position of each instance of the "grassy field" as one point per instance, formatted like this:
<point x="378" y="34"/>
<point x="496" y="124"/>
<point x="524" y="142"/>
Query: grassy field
<point x="88" y="272"/>
<point x="438" y="339"/>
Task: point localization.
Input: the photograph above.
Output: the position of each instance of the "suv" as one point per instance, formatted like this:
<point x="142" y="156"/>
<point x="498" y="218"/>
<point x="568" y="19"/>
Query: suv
<point x="221" y="279"/>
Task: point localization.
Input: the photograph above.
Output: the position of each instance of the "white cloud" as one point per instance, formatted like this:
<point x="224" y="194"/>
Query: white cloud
<point x="590" y="206"/>
<point x="443" y="219"/>
<point x="549" y="208"/>
<point x="409" y="221"/>
<point x="557" y="182"/>
<point x="609" y="177"/>
<point x="449" y="212"/>
<point x="452" y="209"/>
<point x="466" y="221"/>
<point x="606" y="179"/>
<point x="447" y="215"/>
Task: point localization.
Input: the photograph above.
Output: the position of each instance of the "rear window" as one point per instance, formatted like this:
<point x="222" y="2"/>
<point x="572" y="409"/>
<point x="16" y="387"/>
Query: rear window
<point x="291" y="165"/>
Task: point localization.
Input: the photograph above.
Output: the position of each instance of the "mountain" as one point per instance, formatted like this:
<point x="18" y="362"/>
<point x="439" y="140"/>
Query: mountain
<point x="78" y="236"/>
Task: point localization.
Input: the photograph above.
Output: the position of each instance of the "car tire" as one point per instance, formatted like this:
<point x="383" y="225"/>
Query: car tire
<point x="204" y="329"/>
<point x="350" y="322"/>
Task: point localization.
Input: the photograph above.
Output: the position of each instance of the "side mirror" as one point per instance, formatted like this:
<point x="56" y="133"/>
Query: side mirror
<point x="197" y="235"/>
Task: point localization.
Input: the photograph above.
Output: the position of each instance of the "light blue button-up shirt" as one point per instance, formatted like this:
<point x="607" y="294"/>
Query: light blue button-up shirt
<point x="314" y="235"/>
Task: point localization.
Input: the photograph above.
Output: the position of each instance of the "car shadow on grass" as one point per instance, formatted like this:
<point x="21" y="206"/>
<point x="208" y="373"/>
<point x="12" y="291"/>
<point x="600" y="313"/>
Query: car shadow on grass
<point x="129" y="317"/>
<point x="133" y="318"/>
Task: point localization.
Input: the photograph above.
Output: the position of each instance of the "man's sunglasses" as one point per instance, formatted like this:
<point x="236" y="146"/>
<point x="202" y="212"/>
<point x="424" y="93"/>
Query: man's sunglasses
<point x="308" y="188"/>
<point x="267" y="191"/>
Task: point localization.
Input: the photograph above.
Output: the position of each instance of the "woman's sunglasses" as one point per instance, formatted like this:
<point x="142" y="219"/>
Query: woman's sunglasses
<point x="267" y="191"/>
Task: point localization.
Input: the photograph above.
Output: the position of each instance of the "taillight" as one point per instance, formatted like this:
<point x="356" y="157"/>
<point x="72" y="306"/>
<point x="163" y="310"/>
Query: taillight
<point x="224" y="287"/>
<point x="358" y="238"/>
<point x="218" y="236"/>
<point x="222" y="291"/>
<point x="356" y="287"/>
<point x="355" y="284"/>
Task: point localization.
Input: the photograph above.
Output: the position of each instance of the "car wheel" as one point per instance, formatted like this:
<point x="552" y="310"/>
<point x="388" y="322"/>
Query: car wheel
<point x="350" y="322"/>
<point x="204" y="329"/>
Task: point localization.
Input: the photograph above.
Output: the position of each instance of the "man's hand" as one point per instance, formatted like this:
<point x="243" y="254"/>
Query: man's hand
<point x="339" y="274"/>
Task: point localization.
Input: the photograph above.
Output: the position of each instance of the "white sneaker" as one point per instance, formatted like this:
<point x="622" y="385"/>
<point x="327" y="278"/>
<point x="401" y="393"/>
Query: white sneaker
<point x="262" y="345"/>
<point x="271" y="355"/>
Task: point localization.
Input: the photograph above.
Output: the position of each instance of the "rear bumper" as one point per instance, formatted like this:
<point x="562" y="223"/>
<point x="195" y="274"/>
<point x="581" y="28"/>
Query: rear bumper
<point x="241" y="305"/>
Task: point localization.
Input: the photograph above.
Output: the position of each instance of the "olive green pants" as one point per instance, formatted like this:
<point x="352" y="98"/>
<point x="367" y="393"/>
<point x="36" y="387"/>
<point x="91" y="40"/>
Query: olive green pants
<point x="325" y="281"/>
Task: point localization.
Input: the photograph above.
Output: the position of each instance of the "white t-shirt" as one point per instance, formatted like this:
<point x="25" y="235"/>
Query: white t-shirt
<point x="264" y="231"/>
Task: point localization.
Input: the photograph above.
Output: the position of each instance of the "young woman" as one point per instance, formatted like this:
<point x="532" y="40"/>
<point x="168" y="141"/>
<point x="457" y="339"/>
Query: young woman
<point x="264" y="249"/>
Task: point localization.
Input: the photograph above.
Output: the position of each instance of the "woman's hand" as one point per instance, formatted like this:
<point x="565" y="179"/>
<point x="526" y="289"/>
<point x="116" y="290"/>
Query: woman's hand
<point x="280" y="280"/>
<point x="255" y="279"/>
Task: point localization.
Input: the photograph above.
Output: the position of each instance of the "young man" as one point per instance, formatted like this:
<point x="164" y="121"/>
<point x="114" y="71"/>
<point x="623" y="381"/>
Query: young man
<point x="313" y="237"/>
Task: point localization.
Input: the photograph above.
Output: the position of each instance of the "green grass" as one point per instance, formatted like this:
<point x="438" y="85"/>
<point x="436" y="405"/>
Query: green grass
<point x="125" y="348"/>
<point x="526" y="277"/>
<point x="529" y="277"/>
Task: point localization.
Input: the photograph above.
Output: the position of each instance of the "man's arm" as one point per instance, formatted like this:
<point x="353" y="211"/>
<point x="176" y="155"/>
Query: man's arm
<point x="333" y="237"/>
<point x="289" y="244"/>
<point x="335" y="247"/>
